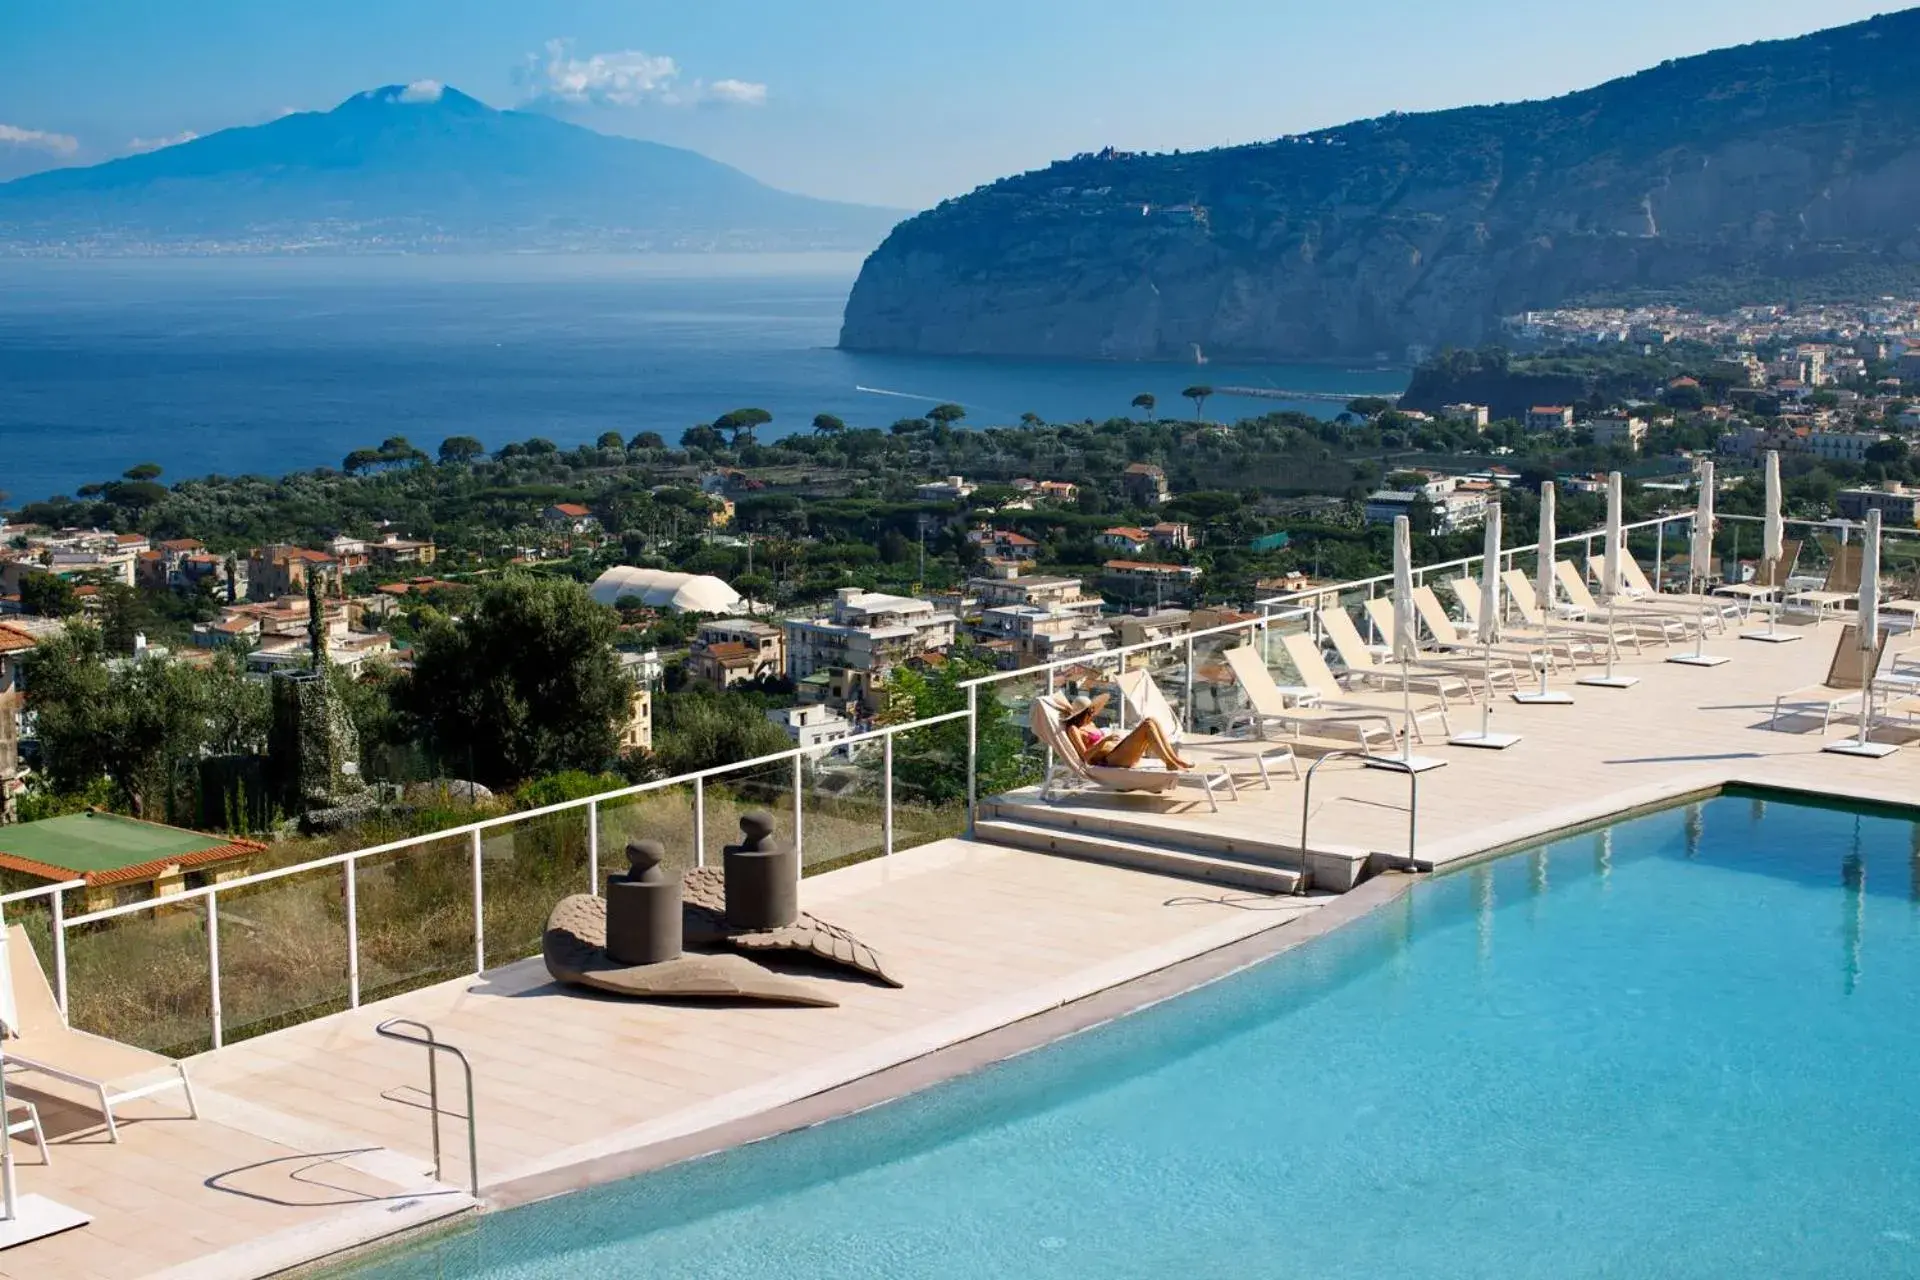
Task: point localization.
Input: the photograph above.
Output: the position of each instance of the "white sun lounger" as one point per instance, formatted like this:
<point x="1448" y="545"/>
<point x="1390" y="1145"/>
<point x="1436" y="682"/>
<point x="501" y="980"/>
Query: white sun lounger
<point x="1140" y="695"/>
<point x="1846" y="681"/>
<point x="1267" y="705"/>
<point x="1317" y="676"/>
<point x="1070" y="769"/>
<point x="44" y="1044"/>
<point x="1659" y="624"/>
<point x="1450" y="678"/>
<point x="1453" y="642"/>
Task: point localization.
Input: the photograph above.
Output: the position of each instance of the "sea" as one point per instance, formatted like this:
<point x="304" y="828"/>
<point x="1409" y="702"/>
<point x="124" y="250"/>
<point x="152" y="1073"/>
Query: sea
<point x="269" y="365"/>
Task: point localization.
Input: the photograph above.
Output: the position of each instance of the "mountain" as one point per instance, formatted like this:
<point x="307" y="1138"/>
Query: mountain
<point x="1792" y="165"/>
<point x="419" y="167"/>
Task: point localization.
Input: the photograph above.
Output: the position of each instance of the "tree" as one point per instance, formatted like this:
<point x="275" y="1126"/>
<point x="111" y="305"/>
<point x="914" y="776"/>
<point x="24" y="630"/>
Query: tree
<point x="945" y="415"/>
<point x="647" y="440"/>
<point x="526" y="683"/>
<point x="49" y="595"/>
<point x="610" y="440"/>
<point x="930" y="764"/>
<point x="1031" y="420"/>
<point x="827" y="424"/>
<point x="1198" y="393"/>
<point x="701" y="437"/>
<point x="360" y="460"/>
<point x="1887" y="452"/>
<point x="1145" y="401"/>
<point x="460" y="450"/>
<point x="739" y="424"/>
<point x="134" y="724"/>
<point x="143" y="471"/>
<point x="124" y="614"/>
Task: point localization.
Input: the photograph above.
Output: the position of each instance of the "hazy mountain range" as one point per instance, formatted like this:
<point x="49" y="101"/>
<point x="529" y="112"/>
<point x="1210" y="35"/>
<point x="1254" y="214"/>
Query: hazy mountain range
<point x="418" y="168"/>
<point x="1761" y="173"/>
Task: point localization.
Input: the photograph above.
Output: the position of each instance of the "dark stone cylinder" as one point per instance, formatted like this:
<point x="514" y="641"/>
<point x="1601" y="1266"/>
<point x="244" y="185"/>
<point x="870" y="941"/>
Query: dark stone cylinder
<point x="643" y="910"/>
<point x="762" y="877"/>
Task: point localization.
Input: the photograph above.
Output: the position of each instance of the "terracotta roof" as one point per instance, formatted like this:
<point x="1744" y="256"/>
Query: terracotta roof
<point x="1142" y="566"/>
<point x="13" y="641"/>
<point x="573" y="509"/>
<point x="182" y="544"/>
<point x="728" y="652"/>
<point x="128" y="539"/>
<point x="1125" y="531"/>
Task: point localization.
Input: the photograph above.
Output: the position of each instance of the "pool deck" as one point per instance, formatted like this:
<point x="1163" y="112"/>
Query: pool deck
<point x="312" y="1138"/>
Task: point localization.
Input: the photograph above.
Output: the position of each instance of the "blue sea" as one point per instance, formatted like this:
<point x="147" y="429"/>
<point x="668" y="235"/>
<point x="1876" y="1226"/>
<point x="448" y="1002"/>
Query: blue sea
<point x="271" y="365"/>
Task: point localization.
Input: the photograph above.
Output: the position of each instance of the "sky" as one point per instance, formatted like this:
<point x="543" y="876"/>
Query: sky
<point x="892" y="102"/>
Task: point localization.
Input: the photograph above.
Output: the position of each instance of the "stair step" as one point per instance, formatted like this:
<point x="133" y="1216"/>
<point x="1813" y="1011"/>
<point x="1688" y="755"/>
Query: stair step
<point x="1099" y="847"/>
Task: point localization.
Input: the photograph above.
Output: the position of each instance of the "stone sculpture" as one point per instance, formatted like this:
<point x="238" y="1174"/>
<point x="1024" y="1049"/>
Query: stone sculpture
<point x="762" y="877"/>
<point x="575" y="949"/>
<point x="643" y="908"/>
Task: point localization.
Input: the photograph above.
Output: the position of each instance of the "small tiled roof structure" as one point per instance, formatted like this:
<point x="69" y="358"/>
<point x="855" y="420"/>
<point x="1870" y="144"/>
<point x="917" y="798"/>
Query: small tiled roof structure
<point x="106" y="848"/>
<point x="731" y="653"/>
<point x="13" y="640"/>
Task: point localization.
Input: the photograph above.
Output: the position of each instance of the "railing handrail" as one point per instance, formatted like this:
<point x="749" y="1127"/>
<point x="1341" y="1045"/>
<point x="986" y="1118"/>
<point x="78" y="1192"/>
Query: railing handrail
<point x="40" y="891"/>
<point x="506" y="819"/>
<point x="1390" y="763"/>
<point x="433" y="1045"/>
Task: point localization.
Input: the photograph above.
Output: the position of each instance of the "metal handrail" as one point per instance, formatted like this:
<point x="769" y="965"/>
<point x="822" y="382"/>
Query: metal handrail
<point x="1373" y="761"/>
<point x="434" y="1045"/>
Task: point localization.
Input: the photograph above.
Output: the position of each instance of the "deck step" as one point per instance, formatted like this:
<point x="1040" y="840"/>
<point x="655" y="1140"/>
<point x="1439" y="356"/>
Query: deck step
<point x="1099" y="847"/>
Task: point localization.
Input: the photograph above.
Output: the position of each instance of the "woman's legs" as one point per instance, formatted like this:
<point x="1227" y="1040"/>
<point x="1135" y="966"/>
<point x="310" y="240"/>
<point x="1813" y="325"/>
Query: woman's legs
<point x="1142" y="740"/>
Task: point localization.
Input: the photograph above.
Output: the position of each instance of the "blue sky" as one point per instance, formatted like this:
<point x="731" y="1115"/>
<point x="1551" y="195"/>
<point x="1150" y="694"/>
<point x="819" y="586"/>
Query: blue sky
<point x="895" y="102"/>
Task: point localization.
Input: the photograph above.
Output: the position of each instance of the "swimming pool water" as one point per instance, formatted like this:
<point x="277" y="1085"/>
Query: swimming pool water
<point x="1679" y="1047"/>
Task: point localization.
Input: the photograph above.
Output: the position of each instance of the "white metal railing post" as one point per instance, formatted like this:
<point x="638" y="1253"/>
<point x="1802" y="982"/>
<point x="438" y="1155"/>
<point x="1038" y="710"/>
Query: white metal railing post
<point x="1659" y="553"/>
<point x="479" y="911"/>
<point x="699" y="822"/>
<point x="593" y="847"/>
<point x="353" y="932"/>
<point x="799" y="829"/>
<point x="886" y="794"/>
<point x="60" y="949"/>
<point x="1050" y="693"/>
<point x="973" y="762"/>
<point x="1186" y="711"/>
<point x="213" y="969"/>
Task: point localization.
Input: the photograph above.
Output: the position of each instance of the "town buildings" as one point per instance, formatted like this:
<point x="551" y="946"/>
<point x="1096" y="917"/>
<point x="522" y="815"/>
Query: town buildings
<point x="731" y="651"/>
<point x="1897" y="504"/>
<point x="1144" y="484"/>
<point x="866" y="631"/>
<point x="1550" y="417"/>
<point x="949" y="489"/>
<point x="812" y="726"/>
<point x="1623" y="429"/>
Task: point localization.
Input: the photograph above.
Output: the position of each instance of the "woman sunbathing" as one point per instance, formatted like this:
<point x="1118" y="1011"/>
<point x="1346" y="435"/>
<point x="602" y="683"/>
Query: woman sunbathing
<point x="1110" y="750"/>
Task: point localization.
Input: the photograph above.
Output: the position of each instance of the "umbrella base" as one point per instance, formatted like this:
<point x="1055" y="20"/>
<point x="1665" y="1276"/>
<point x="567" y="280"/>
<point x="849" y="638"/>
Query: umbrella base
<point x="1609" y="682"/>
<point x="1855" y="747"/>
<point x="1489" y="741"/>
<point x="35" y="1217"/>
<point x="1698" y="659"/>
<point x="1547" y="698"/>
<point x="1404" y="764"/>
<point x="1769" y="637"/>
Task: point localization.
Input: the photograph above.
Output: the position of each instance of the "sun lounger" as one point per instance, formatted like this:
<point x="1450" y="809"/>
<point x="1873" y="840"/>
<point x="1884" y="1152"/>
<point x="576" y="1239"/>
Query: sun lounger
<point x="44" y="1044"/>
<point x="1449" y="639"/>
<point x="1071" y="769"/>
<point x="1268" y="706"/>
<point x="1520" y="591"/>
<point x="1448" y="678"/>
<point x="1140" y="695"/>
<point x="1659" y="624"/>
<point x="1765" y="586"/>
<point x="1641" y="591"/>
<point x="1846" y="680"/>
<point x="1576" y="647"/>
<point x="1317" y="676"/>
<point x="1842" y="587"/>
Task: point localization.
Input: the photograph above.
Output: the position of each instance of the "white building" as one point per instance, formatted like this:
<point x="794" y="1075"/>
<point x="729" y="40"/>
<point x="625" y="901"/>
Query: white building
<point x="1619" y="428"/>
<point x="814" y="726"/>
<point x="951" y="489"/>
<point x="866" y="631"/>
<point x="658" y="589"/>
<point x="1842" y="446"/>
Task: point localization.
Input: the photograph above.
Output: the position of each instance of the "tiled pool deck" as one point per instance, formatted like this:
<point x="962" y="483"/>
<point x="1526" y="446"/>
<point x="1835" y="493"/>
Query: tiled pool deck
<point x="312" y="1137"/>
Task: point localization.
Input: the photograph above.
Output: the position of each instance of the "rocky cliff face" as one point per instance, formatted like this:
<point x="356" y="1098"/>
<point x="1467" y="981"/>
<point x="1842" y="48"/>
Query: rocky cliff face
<point x="1794" y="160"/>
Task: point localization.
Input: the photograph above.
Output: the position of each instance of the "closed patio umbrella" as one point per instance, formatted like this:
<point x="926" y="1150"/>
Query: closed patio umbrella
<point x="1610" y="585"/>
<point x="1700" y="570"/>
<point x="1543" y="588"/>
<point x="1405" y="641"/>
<point x="1773" y="549"/>
<point x="1489" y="634"/>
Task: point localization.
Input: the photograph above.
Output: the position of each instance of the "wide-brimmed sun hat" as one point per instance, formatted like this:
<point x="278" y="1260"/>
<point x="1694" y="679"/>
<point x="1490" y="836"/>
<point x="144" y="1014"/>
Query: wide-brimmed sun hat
<point x="1080" y="710"/>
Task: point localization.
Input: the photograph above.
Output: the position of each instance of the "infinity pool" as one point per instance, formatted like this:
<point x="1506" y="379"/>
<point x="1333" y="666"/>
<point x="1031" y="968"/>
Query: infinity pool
<point x="1680" y="1047"/>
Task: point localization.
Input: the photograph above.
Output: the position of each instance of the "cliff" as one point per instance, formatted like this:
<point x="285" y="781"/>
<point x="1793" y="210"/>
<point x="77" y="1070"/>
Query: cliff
<point x="1776" y="165"/>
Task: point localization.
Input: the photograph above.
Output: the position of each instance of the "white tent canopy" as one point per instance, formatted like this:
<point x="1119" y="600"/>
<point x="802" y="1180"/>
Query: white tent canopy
<point x="659" y="589"/>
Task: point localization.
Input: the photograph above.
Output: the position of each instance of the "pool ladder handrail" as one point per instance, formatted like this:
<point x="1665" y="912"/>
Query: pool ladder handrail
<point x="1388" y="763"/>
<point x="434" y="1045"/>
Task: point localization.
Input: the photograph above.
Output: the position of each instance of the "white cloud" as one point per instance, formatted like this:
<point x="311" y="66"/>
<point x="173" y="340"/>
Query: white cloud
<point x="743" y="93"/>
<point x="60" y="144"/>
<point x="137" y="145"/>
<point x="627" y="78"/>
<point x="423" y="91"/>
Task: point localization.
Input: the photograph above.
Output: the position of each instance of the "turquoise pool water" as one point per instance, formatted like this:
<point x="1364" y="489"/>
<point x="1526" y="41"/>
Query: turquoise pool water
<point x="1681" y="1047"/>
